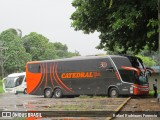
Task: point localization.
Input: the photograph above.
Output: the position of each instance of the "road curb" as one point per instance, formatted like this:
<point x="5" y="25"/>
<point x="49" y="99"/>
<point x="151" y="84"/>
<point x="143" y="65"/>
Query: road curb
<point x="119" y="108"/>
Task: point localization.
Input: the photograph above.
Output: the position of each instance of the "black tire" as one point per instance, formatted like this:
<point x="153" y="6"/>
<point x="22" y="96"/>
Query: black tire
<point x="113" y="93"/>
<point x="48" y="93"/>
<point x="25" y="91"/>
<point x="58" y="93"/>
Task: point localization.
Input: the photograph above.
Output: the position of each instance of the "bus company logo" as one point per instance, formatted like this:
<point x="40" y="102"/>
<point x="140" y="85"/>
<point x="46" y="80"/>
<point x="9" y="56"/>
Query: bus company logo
<point x="80" y="75"/>
<point x="103" y="64"/>
<point x="6" y="114"/>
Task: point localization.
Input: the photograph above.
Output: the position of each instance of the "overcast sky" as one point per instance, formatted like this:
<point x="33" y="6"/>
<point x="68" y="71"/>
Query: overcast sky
<point x="50" y="18"/>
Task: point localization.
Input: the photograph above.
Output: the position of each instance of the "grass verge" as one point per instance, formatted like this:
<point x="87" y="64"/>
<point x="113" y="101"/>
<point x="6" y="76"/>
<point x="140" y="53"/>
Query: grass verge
<point x="151" y="93"/>
<point x="1" y="87"/>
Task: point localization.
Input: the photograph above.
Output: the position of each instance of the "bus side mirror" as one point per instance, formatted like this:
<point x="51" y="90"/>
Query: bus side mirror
<point x="132" y="69"/>
<point x="150" y="71"/>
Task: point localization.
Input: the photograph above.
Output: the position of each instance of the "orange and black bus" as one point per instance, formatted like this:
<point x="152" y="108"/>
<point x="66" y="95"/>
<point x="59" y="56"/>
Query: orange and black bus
<point x="111" y="75"/>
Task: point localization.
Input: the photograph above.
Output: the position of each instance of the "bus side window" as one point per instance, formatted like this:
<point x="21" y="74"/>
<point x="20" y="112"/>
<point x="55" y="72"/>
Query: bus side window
<point x="34" y="68"/>
<point x="19" y="80"/>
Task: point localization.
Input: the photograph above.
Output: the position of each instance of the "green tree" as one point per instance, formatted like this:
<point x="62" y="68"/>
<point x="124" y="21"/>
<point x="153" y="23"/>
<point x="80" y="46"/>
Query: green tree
<point x="41" y="49"/>
<point x="35" y="44"/>
<point x="50" y="52"/>
<point x="149" y="58"/>
<point x="62" y="51"/>
<point x="71" y="54"/>
<point x="15" y="54"/>
<point x="16" y="50"/>
<point x="122" y="23"/>
<point x="148" y="61"/>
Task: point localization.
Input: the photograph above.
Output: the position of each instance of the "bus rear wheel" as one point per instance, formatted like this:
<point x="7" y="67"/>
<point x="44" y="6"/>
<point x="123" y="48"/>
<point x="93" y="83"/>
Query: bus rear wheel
<point x="58" y="93"/>
<point x="48" y="93"/>
<point x="113" y="92"/>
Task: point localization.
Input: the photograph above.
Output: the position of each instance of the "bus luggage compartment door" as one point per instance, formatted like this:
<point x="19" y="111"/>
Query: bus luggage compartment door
<point x="126" y="89"/>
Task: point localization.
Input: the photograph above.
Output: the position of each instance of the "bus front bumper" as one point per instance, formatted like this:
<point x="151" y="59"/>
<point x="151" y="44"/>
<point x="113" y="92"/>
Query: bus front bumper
<point x="10" y="90"/>
<point x="141" y="90"/>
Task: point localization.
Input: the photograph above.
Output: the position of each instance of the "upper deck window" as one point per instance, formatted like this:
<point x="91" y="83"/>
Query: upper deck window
<point x="136" y="62"/>
<point x="34" y="68"/>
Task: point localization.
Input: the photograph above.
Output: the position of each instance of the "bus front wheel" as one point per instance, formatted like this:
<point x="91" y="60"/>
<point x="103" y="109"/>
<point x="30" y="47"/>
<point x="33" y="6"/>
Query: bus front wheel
<point x="113" y="92"/>
<point x="25" y="91"/>
<point x="58" y="93"/>
<point x="48" y="93"/>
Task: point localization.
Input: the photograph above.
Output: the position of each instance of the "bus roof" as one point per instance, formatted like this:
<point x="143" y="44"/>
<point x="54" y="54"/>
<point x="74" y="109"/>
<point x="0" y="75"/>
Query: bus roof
<point x="76" y="58"/>
<point x="16" y="74"/>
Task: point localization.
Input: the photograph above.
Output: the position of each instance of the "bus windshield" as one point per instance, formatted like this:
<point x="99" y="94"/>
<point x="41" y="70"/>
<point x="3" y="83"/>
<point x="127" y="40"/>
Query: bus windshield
<point x="143" y="80"/>
<point x="137" y="63"/>
<point x="11" y="82"/>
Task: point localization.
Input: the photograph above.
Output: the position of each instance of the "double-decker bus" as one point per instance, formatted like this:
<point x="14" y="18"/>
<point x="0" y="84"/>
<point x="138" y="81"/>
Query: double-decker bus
<point x="111" y="75"/>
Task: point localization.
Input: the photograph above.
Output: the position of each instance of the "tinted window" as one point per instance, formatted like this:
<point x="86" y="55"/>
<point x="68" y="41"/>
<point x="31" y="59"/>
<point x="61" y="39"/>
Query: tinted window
<point x="136" y="62"/>
<point x="9" y="82"/>
<point x="19" y="80"/>
<point x="121" y="61"/>
<point x="34" y="68"/>
<point x="126" y="75"/>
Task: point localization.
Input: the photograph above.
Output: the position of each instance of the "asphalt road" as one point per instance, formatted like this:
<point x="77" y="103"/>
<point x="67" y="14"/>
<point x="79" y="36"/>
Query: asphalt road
<point x="96" y="107"/>
<point x="80" y="108"/>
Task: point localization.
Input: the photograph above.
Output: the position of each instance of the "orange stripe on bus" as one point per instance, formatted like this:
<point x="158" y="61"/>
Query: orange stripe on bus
<point x="61" y="81"/>
<point x="56" y="79"/>
<point x="51" y="75"/>
<point x="132" y="68"/>
<point x="46" y="72"/>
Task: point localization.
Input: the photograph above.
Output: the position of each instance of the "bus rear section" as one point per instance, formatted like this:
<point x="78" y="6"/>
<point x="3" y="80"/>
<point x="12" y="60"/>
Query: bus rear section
<point x="132" y="74"/>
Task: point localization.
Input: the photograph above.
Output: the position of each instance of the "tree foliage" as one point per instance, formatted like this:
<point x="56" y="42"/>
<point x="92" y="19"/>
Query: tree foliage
<point x="150" y="58"/>
<point x="122" y="23"/>
<point x="41" y="49"/>
<point x="148" y="61"/>
<point x="35" y="44"/>
<point x="31" y="47"/>
<point x="15" y="54"/>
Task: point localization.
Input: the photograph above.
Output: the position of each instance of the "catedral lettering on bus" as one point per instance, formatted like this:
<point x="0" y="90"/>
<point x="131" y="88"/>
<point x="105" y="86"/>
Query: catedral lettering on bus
<point x="111" y="75"/>
<point x="80" y="75"/>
